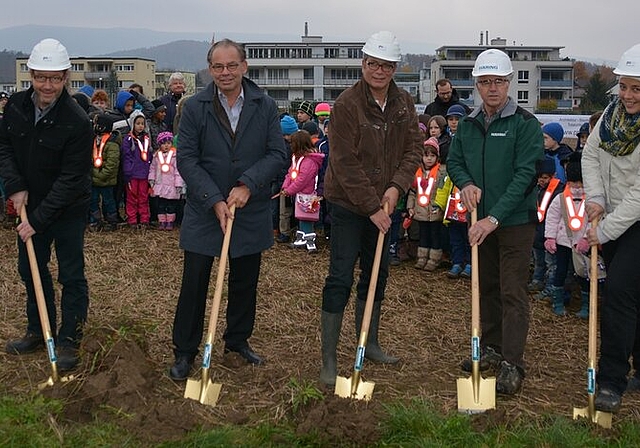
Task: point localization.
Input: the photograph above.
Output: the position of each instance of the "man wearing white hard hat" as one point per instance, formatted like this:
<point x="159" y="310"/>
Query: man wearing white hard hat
<point x="492" y="158"/>
<point x="610" y="162"/>
<point x="375" y="150"/>
<point x="45" y="160"/>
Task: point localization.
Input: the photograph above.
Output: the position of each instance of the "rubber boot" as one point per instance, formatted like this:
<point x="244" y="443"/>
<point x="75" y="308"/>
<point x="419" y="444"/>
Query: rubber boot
<point x="162" y="221"/>
<point x="557" y="301"/>
<point x="435" y="255"/>
<point x="310" y="241"/>
<point x="171" y="221"/>
<point x="423" y="255"/>
<point x="299" y="241"/>
<point x="372" y="351"/>
<point x="584" y="309"/>
<point x="330" y="325"/>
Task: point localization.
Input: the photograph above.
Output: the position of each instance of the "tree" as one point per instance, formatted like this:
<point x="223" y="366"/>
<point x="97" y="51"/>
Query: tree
<point x="580" y="73"/>
<point x="595" y="93"/>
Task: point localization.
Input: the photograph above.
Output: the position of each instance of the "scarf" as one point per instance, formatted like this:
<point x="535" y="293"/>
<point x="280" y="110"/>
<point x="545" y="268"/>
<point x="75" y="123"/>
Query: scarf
<point x="619" y="131"/>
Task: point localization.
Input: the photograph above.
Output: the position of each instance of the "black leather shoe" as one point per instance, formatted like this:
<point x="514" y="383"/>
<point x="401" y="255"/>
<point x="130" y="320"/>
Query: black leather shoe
<point x="181" y="368"/>
<point x="67" y="358"/>
<point x="249" y="355"/>
<point x="608" y="400"/>
<point x="28" y="344"/>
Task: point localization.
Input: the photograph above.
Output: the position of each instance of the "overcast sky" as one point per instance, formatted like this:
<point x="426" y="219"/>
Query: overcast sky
<point x="599" y="32"/>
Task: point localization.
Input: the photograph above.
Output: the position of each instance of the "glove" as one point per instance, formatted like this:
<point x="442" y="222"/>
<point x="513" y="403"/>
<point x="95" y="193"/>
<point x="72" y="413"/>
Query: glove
<point x="583" y="246"/>
<point x="550" y="245"/>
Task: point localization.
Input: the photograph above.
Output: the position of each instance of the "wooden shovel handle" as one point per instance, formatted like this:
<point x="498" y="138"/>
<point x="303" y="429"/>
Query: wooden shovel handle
<point x="593" y="299"/>
<point x="475" y="282"/>
<point x="222" y="265"/>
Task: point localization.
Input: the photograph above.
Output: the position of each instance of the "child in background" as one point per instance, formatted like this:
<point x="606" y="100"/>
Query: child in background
<point x="566" y="224"/>
<point x="104" y="176"/>
<point x="165" y="181"/>
<point x="455" y="218"/>
<point x="282" y="208"/>
<point x="100" y="100"/>
<point x="302" y="178"/>
<point x="156" y="123"/>
<point x="553" y="134"/>
<point x="323" y="148"/>
<point x="454" y="114"/>
<point x="544" y="263"/>
<point x="582" y="135"/>
<point x="438" y="129"/>
<point x="423" y="208"/>
<point x="136" y="160"/>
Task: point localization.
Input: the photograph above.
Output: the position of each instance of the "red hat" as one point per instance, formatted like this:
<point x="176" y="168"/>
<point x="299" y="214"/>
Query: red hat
<point x="433" y="142"/>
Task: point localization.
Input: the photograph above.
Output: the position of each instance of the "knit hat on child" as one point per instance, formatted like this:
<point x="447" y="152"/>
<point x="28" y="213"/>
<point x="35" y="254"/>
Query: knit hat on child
<point x="164" y="136"/>
<point x="288" y="125"/>
<point x="573" y="169"/>
<point x="554" y="130"/>
<point x="433" y="142"/>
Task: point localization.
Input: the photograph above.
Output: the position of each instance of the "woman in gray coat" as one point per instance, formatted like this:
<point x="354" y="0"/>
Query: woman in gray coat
<point x="230" y="149"/>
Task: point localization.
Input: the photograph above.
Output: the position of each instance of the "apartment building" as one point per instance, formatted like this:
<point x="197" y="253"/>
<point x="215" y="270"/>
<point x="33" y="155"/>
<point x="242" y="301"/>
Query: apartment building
<point x="110" y="74"/>
<point x="543" y="81"/>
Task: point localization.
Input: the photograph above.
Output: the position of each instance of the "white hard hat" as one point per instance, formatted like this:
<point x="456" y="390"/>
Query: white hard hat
<point x="383" y="45"/>
<point x="49" y="55"/>
<point x="629" y="64"/>
<point x="492" y="62"/>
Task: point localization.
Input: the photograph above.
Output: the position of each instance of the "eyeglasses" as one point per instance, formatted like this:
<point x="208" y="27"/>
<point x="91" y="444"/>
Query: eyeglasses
<point x="52" y="79"/>
<point x="231" y="66"/>
<point x="375" y="65"/>
<point x="498" y="82"/>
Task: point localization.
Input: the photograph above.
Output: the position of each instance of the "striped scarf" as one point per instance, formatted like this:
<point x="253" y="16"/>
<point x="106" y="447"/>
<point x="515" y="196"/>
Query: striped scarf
<point x="619" y="131"/>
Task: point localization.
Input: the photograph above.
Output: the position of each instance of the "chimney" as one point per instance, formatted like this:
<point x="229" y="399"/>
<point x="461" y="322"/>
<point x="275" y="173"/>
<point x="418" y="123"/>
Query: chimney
<point x="487" y="36"/>
<point x="481" y="35"/>
<point x="306" y="29"/>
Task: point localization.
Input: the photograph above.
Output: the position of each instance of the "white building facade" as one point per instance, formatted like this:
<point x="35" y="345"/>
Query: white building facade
<point x="543" y="81"/>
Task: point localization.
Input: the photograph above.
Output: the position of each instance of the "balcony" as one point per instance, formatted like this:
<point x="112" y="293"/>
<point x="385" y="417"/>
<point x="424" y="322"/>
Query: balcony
<point x="95" y="76"/>
<point x="462" y="82"/>
<point x="283" y="81"/>
<point x="565" y="104"/>
<point x="562" y="83"/>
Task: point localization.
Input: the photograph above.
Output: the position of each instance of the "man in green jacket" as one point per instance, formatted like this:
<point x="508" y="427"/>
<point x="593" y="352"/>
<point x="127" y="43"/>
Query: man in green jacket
<point x="492" y="158"/>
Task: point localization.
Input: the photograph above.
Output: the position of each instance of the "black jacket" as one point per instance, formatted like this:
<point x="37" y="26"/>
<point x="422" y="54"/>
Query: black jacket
<point x="50" y="159"/>
<point x="437" y="107"/>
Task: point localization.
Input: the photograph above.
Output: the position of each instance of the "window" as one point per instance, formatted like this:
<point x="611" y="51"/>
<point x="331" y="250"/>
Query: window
<point x="124" y="68"/>
<point x="24" y="69"/>
<point x="253" y="73"/>
<point x="523" y="76"/>
<point x="523" y="96"/>
<point x="278" y="94"/>
<point x="308" y="94"/>
<point x="308" y="73"/>
<point x="278" y="73"/>
<point x="78" y="67"/>
<point x="76" y="84"/>
<point x="24" y="85"/>
<point x="331" y="53"/>
<point x="354" y="53"/>
<point x="345" y="73"/>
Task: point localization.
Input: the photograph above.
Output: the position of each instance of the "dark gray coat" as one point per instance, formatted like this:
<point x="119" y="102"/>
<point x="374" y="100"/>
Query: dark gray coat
<point x="212" y="161"/>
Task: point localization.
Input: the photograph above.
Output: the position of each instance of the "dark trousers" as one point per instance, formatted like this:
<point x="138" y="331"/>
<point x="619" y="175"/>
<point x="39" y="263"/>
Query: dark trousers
<point x="109" y="209"/>
<point x="68" y="239"/>
<point x="503" y="263"/>
<point x="620" y="322"/>
<point x="459" y="238"/>
<point x="188" y="324"/>
<point x="563" y="261"/>
<point x="352" y="235"/>
<point x="430" y="234"/>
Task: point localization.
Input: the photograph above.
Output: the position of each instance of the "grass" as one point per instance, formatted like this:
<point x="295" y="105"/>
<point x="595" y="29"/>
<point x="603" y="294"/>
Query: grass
<point x="37" y="422"/>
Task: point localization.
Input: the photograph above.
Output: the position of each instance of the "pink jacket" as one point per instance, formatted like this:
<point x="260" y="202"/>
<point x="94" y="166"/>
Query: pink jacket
<point x="305" y="181"/>
<point x="166" y="184"/>
<point x="555" y="225"/>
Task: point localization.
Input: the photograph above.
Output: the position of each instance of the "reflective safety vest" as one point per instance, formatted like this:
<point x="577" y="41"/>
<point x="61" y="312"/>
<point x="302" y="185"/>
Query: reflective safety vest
<point x="295" y="167"/>
<point x="455" y="209"/>
<point x="424" y="194"/>
<point x="98" y="146"/>
<point x="165" y="163"/>
<point x="142" y="146"/>
<point x="575" y="218"/>
<point x="546" y="198"/>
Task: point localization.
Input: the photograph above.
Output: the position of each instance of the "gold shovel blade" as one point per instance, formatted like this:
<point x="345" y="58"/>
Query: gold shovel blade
<point x="599" y="417"/>
<point x="206" y="394"/>
<point x="474" y="402"/>
<point x="50" y="382"/>
<point x="363" y="390"/>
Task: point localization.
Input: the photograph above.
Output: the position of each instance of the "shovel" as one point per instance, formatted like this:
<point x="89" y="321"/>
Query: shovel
<point x="354" y="387"/>
<point x="42" y="312"/>
<point x="475" y="394"/>
<point x="204" y="390"/>
<point x="601" y="418"/>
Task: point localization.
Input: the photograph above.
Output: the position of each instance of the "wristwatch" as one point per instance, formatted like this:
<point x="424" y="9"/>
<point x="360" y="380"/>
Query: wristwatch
<point x="493" y="220"/>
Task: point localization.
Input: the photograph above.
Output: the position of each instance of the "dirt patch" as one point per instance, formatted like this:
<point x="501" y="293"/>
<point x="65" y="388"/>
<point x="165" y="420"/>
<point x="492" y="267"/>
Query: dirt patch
<point x="134" y="280"/>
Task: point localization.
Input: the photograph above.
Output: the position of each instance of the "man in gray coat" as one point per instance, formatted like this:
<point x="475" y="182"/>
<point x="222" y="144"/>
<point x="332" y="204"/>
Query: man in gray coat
<point x="230" y="149"/>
